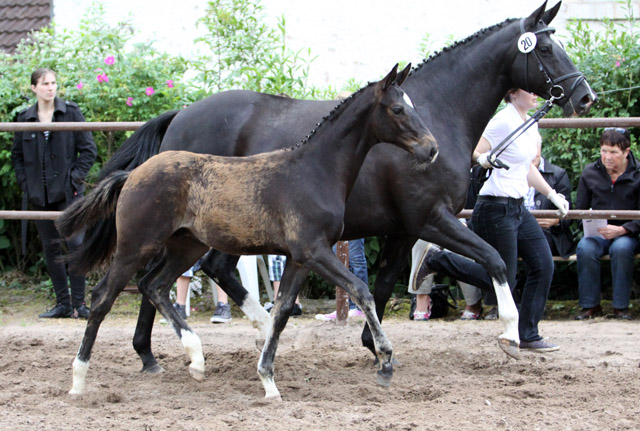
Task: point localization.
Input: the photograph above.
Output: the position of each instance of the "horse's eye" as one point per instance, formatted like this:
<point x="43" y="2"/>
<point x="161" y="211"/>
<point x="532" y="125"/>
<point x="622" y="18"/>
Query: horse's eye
<point x="545" y="49"/>
<point x="397" y="110"/>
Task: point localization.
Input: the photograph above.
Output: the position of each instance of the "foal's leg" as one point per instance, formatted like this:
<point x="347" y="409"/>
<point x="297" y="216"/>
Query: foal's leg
<point x="294" y="275"/>
<point x="179" y="256"/>
<point x="102" y="299"/>
<point x="328" y="266"/>
<point x="220" y="267"/>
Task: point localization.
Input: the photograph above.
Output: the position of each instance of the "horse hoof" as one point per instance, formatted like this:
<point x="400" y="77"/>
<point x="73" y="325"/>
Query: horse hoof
<point x="75" y="393"/>
<point x="153" y="369"/>
<point x="383" y="380"/>
<point x="198" y="375"/>
<point x="260" y="343"/>
<point x="394" y="362"/>
<point x="275" y="398"/>
<point x="510" y="347"/>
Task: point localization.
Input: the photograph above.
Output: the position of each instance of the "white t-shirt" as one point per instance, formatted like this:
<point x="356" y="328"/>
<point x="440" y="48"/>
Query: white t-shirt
<point x="519" y="155"/>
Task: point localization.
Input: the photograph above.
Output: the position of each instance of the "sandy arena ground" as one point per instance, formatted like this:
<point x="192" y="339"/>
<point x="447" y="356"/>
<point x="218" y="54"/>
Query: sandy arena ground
<point x="453" y="376"/>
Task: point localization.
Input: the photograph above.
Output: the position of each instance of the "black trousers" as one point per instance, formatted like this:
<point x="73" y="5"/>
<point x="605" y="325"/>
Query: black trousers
<point x="53" y="253"/>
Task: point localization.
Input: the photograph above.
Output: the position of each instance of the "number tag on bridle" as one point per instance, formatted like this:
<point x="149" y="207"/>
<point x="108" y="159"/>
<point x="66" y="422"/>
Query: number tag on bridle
<point x="527" y="42"/>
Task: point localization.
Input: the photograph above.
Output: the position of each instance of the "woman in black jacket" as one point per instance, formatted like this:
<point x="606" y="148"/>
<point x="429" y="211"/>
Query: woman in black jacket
<point x="50" y="169"/>
<point x="610" y="183"/>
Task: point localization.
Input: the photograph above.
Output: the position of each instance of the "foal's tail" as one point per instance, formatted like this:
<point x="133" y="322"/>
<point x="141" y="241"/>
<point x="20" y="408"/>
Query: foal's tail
<point x="143" y="144"/>
<point x="93" y="213"/>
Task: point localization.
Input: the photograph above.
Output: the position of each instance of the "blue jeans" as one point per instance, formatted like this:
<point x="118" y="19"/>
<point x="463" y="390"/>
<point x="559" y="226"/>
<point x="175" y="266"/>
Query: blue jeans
<point x="621" y="250"/>
<point x="513" y="232"/>
<point x="357" y="263"/>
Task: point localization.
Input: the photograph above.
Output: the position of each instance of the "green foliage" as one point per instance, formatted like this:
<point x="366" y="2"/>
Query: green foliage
<point x="610" y="60"/>
<point x="241" y="51"/>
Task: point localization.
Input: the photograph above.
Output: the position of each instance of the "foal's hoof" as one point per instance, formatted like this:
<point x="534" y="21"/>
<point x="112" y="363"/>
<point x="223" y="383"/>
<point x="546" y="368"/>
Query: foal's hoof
<point x="385" y="373"/>
<point x="275" y="398"/>
<point x="394" y="362"/>
<point x="260" y="343"/>
<point x="510" y="347"/>
<point x="152" y="369"/>
<point x="198" y="375"/>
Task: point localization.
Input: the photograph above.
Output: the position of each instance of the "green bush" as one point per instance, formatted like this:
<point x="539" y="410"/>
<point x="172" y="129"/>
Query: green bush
<point x="113" y="79"/>
<point x="610" y="60"/>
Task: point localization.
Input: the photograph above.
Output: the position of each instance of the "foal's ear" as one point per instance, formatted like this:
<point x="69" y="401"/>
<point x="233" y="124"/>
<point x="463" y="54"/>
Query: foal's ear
<point x="390" y="78"/>
<point x="403" y="75"/>
<point x="535" y="17"/>
<point x="551" y="14"/>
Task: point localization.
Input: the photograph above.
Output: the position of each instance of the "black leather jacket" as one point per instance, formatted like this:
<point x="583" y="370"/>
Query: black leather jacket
<point x="66" y="158"/>
<point x="559" y="236"/>
<point x="596" y="191"/>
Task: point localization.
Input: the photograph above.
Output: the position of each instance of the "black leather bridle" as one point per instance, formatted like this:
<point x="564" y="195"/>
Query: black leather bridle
<point x="554" y="84"/>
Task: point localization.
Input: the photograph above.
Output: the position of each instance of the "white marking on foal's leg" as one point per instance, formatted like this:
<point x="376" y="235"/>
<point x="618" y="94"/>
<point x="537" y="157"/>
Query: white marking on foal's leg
<point x="193" y="348"/>
<point x="509" y="341"/>
<point x="80" y="369"/>
<point x="258" y="317"/>
<point x="270" y="390"/>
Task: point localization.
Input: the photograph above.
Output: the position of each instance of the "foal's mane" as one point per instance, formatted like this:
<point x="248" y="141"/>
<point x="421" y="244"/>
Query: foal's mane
<point x="341" y="106"/>
<point x="458" y="43"/>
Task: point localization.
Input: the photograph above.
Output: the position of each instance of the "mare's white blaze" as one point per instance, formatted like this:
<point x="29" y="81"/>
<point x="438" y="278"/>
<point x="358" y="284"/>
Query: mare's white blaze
<point x="80" y="369"/>
<point x="507" y="311"/>
<point x="555" y="40"/>
<point x="257" y="315"/>
<point x="193" y="348"/>
<point x="407" y="99"/>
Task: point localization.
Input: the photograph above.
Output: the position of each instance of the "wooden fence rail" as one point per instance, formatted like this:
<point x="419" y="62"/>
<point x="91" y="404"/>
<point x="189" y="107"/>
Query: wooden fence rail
<point x="549" y="123"/>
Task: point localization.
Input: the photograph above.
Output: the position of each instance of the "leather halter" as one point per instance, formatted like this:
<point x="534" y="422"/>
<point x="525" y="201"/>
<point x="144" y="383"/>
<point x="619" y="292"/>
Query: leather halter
<point x="553" y="83"/>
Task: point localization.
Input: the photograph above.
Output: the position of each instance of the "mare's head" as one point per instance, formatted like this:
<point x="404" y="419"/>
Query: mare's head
<point x="396" y="121"/>
<point x="542" y="66"/>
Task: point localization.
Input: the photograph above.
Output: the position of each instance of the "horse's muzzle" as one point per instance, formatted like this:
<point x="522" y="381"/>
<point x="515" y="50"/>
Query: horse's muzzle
<point x="426" y="150"/>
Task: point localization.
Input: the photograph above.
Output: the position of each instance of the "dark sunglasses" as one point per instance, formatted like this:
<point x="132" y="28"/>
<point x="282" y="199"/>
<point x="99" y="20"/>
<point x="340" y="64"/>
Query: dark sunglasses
<point x="616" y="129"/>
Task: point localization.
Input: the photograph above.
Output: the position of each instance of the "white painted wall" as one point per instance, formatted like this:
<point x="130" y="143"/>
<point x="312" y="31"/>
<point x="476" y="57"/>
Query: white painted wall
<point x="358" y="39"/>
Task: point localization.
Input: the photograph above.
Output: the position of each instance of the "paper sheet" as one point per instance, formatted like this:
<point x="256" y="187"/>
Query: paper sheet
<point x="591" y="227"/>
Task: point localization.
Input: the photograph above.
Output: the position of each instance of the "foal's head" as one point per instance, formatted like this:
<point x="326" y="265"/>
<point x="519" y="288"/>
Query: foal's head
<point x="395" y="119"/>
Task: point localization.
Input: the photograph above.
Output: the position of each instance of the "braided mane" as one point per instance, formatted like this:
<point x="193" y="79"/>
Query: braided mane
<point x="475" y="35"/>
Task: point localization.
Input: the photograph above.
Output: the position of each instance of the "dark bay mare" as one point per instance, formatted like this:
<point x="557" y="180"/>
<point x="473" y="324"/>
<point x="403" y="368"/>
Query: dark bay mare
<point x="179" y="204"/>
<point x="456" y="91"/>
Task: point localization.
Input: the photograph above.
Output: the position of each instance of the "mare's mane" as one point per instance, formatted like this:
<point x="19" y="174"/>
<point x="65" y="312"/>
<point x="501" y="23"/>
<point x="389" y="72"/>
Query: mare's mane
<point x="456" y="44"/>
<point x="341" y="106"/>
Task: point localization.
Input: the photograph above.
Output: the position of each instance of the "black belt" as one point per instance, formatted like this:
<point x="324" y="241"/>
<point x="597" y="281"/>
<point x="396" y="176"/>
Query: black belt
<point x="500" y="200"/>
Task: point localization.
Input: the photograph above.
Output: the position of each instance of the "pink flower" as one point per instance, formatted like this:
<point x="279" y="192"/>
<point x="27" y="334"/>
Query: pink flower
<point x="149" y="91"/>
<point x="102" y="77"/>
<point x="129" y="101"/>
<point x="109" y="60"/>
<point x="617" y="63"/>
<point x="80" y="85"/>
<point x="170" y="83"/>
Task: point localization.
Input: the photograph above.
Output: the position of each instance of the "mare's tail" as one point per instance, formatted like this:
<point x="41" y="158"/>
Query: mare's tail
<point x="141" y="146"/>
<point x="90" y="213"/>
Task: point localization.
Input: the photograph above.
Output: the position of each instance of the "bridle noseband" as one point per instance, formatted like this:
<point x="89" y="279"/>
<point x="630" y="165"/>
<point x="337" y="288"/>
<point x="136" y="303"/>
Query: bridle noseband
<point x="554" y="86"/>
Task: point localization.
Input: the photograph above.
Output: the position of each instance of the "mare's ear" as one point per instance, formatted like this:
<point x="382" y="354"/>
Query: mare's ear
<point x="535" y="17"/>
<point x="403" y="75"/>
<point x="390" y="78"/>
<point x="551" y="14"/>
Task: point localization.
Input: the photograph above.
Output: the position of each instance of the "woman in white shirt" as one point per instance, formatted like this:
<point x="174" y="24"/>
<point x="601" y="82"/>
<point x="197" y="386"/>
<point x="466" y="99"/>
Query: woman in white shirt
<point x="501" y="218"/>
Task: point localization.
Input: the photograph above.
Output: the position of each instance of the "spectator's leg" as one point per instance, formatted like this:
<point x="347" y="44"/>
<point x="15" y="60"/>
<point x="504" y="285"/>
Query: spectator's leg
<point x="622" y="253"/>
<point x="588" y="255"/>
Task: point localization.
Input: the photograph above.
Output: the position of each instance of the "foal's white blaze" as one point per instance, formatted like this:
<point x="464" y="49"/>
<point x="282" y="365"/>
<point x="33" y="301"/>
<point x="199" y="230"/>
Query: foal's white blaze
<point x="193" y="348"/>
<point x="407" y="99"/>
<point x="80" y="369"/>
